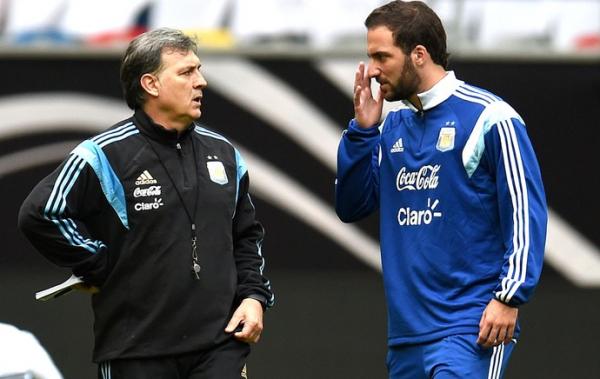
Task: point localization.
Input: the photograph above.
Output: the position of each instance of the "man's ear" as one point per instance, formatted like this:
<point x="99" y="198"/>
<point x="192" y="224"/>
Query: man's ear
<point x="150" y="84"/>
<point x="419" y="55"/>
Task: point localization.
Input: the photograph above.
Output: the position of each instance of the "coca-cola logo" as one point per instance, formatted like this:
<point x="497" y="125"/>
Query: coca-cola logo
<point x="424" y="178"/>
<point x="145" y="192"/>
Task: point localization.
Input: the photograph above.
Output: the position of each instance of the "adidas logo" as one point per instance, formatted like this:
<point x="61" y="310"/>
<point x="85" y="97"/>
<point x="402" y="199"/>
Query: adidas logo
<point x="145" y="178"/>
<point x="397" y="147"/>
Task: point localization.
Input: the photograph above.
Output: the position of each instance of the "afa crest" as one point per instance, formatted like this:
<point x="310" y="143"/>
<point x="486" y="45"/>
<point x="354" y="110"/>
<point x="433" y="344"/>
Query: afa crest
<point x="217" y="173"/>
<point x="445" y="140"/>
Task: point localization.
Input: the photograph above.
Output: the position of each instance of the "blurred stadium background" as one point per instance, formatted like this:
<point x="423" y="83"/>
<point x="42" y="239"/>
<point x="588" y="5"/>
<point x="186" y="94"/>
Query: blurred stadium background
<point x="280" y="79"/>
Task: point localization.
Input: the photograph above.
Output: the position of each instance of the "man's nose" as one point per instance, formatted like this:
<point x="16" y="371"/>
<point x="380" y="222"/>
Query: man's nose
<point x="200" y="82"/>
<point x="373" y="70"/>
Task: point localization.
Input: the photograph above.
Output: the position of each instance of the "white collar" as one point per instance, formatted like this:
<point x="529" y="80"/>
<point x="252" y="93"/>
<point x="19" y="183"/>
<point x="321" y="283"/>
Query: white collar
<point x="436" y="94"/>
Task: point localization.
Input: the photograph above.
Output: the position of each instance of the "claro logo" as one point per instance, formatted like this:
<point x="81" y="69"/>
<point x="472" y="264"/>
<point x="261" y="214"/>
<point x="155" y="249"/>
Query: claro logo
<point x="409" y="217"/>
<point x="157" y="203"/>
<point x="425" y="178"/>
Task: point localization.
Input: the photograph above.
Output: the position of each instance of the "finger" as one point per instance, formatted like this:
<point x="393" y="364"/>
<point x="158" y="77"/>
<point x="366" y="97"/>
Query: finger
<point x="361" y="69"/>
<point x="358" y="75"/>
<point x="481" y="338"/>
<point x="247" y="330"/>
<point x="233" y="323"/>
<point x="482" y="320"/>
<point x="357" y="94"/>
<point x="366" y="81"/>
<point x="502" y="333"/>
<point x="484" y="330"/>
<point x="250" y="332"/>
<point x="379" y="98"/>
<point x="250" y="339"/>
<point x="509" y="334"/>
<point x="492" y="339"/>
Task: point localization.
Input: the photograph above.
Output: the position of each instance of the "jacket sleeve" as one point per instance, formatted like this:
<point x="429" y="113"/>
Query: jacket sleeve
<point x="248" y="236"/>
<point x="521" y="207"/>
<point x="53" y="218"/>
<point x="357" y="182"/>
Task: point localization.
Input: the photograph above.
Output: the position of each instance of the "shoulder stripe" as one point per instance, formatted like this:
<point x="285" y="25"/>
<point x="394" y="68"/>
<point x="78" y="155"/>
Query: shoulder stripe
<point x="205" y="132"/>
<point x="470" y="99"/>
<point x="474" y="91"/>
<point x="475" y="95"/>
<point x="100" y="137"/>
<point x="129" y="132"/>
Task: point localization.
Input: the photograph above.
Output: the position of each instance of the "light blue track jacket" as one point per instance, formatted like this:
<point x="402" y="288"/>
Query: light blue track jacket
<point x="462" y="208"/>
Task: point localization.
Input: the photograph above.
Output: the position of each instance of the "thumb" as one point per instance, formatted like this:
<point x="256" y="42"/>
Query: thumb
<point x="233" y="323"/>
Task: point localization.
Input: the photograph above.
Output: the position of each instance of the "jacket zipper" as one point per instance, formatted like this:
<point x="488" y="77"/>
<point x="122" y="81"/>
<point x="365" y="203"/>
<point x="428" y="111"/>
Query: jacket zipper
<point x="422" y="126"/>
<point x="182" y="164"/>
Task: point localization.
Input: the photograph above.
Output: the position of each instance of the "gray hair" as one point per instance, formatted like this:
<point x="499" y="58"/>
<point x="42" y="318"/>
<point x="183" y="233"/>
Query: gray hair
<point x="143" y="56"/>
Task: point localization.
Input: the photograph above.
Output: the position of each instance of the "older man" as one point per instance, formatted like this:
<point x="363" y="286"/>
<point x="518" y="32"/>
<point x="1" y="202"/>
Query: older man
<point x="155" y="213"/>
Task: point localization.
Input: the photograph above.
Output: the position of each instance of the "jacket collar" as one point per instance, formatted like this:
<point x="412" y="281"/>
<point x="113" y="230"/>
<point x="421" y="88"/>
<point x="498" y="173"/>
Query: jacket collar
<point x="157" y="132"/>
<point x="437" y="94"/>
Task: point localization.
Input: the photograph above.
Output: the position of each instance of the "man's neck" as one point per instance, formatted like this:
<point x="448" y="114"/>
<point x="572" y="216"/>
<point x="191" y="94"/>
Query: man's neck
<point x="416" y="102"/>
<point x="161" y="119"/>
<point x="429" y="78"/>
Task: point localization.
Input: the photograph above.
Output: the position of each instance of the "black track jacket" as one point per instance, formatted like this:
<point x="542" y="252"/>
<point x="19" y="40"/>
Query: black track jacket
<point x="112" y="212"/>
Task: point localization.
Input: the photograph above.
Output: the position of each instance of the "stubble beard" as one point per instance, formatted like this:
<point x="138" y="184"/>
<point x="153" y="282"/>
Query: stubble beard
<point x="407" y="85"/>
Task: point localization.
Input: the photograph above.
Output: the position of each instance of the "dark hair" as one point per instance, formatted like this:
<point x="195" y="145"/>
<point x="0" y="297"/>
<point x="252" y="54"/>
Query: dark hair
<point x="412" y="23"/>
<point x="143" y="55"/>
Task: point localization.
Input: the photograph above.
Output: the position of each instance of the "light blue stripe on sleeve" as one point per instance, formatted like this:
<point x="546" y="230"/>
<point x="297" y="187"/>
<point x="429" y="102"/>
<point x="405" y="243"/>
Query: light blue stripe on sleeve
<point x="242" y="169"/>
<point x="110" y="183"/>
<point x="475" y="145"/>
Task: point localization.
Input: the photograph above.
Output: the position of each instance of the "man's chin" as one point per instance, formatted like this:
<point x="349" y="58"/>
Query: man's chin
<point x="387" y="92"/>
<point x="391" y="96"/>
<point x="396" y="96"/>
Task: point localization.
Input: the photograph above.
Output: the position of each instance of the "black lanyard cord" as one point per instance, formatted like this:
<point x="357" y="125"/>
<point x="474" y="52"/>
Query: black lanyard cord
<point x="191" y="217"/>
